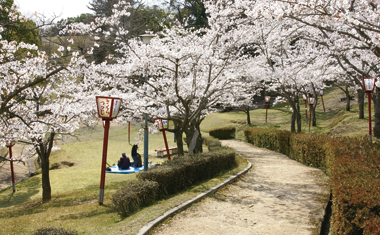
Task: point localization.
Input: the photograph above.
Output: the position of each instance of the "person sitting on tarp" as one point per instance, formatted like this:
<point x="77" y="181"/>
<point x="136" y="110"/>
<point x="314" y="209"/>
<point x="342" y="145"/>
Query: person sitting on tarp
<point x="124" y="162"/>
<point x="139" y="161"/>
<point x="134" y="156"/>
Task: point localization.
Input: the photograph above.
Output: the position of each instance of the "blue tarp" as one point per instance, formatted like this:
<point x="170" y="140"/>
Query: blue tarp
<point x="115" y="169"/>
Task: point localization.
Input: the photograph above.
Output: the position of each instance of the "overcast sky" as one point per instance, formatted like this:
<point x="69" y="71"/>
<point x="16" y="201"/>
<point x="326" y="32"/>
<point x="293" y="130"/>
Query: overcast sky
<point x="65" y="8"/>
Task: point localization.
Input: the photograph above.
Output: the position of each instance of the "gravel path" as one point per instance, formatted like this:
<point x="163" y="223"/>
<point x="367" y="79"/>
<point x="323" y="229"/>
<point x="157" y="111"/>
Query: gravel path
<point x="277" y="196"/>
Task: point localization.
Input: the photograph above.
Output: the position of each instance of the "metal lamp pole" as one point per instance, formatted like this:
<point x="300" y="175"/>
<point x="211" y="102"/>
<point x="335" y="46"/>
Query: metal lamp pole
<point x="311" y="103"/>
<point x="267" y="100"/>
<point x="323" y="104"/>
<point x="146" y="40"/>
<point x="305" y="99"/>
<point x="11" y="163"/>
<point x="108" y="108"/>
<point x="369" y="86"/>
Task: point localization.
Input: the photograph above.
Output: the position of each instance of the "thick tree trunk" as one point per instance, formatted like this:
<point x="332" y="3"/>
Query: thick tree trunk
<point x="313" y="117"/>
<point x="44" y="149"/>
<point x="248" y="115"/>
<point x="299" y="123"/>
<point x="178" y="136"/>
<point x="348" y="100"/>
<point x="361" y="103"/>
<point x="293" y="122"/>
<point x="376" y="103"/>
<point x="194" y="138"/>
<point x="46" y="189"/>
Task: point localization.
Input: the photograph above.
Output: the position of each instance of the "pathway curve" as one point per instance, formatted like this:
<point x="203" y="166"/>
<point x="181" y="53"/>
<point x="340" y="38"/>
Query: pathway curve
<point x="277" y="196"/>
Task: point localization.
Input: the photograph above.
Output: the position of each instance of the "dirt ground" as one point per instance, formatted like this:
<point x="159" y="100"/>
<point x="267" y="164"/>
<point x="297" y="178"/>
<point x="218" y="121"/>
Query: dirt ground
<point x="21" y="171"/>
<point x="277" y="196"/>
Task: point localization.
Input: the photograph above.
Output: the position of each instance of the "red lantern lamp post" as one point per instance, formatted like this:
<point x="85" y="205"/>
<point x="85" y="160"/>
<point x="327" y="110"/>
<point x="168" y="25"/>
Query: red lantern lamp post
<point x="108" y="109"/>
<point x="9" y="146"/>
<point x="369" y="87"/>
<point x="267" y="100"/>
<point x="323" y="104"/>
<point x="162" y="126"/>
<point x="305" y="99"/>
<point x="311" y="103"/>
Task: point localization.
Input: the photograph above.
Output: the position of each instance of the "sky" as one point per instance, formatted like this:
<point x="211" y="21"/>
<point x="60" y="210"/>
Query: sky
<point x="65" y="8"/>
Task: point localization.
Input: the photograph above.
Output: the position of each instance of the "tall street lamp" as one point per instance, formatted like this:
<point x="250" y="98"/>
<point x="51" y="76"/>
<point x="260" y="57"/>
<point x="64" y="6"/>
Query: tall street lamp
<point x="267" y="100"/>
<point x="311" y="103"/>
<point x="9" y="146"/>
<point x="108" y="109"/>
<point x="146" y="40"/>
<point x="305" y="99"/>
<point x="323" y="104"/>
<point x="369" y="86"/>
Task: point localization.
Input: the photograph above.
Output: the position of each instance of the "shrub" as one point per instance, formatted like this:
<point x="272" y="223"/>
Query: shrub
<point x="353" y="165"/>
<point x="223" y="133"/>
<point x="133" y="195"/>
<point x="212" y="143"/>
<point x="55" y="231"/>
<point x="184" y="171"/>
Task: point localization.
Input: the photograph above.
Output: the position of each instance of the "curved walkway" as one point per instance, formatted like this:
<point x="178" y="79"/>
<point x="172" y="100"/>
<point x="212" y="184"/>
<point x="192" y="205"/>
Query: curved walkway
<point x="277" y="196"/>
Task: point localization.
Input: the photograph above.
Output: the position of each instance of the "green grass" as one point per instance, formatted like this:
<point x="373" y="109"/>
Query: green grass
<point x="335" y="122"/>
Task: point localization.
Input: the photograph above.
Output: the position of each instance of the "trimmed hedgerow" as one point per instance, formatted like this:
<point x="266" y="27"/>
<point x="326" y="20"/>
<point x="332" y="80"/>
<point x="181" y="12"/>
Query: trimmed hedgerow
<point x="184" y="171"/>
<point x="133" y="195"/>
<point x="212" y="143"/>
<point x="353" y="165"/>
<point x="170" y="177"/>
<point x="355" y="179"/>
<point x="223" y="133"/>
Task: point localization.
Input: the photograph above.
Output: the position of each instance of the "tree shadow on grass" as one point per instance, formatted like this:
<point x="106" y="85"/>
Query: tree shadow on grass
<point x="24" y="191"/>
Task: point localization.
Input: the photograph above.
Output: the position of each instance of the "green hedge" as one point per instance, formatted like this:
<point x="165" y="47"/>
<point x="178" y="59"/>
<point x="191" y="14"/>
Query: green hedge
<point x="134" y="195"/>
<point x="223" y="133"/>
<point x="353" y="165"/>
<point x="170" y="177"/>
<point x="184" y="171"/>
<point x="212" y="143"/>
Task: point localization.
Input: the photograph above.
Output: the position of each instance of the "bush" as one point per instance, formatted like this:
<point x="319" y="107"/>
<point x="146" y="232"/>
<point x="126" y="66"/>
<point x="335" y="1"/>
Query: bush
<point x="184" y="171"/>
<point x="353" y="165"/>
<point x="223" y="133"/>
<point x="133" y="195"/>
<point x="212" y="143"/>
<point x="55" y="231"/>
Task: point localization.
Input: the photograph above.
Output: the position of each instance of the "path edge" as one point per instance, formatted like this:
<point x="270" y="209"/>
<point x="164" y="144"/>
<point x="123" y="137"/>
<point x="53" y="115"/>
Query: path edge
<point x="152" y="224"/>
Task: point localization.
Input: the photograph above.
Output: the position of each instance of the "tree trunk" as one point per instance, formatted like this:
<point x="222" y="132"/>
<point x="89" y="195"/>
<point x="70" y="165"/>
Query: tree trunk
<point x="361" y="103"/>
<point x="348" y="100"/>
<point x="293" y="123"/>
<point x="178" y="136"/>
<point x="44" y="149"/>
<point x="313" y="117"/>
<point x="376" y="103"/>
<point x="248" y="115"/>
<point x="194" y="138"/>
<point x="298" y="116"/>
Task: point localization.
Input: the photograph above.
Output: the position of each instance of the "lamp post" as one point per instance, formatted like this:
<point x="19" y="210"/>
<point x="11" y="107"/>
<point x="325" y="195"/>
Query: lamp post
<point x="311" y="103"/>
<point x="146" y="40"/>
<point x="305" y="99"/>
<point x="108" y="108"/>
<point x="323" y="104"/>
<point x="162" y="126"/>
<point x="9" y="146"/>
<point x="267" y="100"/>
<point x="369" y="86"/>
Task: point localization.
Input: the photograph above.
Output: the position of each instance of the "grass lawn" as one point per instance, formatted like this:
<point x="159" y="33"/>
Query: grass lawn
<point x="76" y="189"/>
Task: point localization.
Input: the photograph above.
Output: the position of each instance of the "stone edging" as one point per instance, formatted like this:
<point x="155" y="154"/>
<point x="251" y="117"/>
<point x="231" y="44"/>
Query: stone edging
<point x="149" y="226"/>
